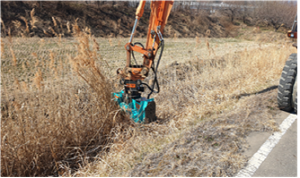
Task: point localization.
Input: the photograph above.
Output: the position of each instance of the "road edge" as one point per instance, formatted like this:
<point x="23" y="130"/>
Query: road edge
<point x="257" y="159"/>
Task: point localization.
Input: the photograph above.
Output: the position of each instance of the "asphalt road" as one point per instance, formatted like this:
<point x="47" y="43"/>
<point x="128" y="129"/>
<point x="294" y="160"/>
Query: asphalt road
<point x="282" y="160"/>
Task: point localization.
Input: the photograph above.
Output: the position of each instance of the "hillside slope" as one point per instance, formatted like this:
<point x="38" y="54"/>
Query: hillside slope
<point x="54" y="18"/>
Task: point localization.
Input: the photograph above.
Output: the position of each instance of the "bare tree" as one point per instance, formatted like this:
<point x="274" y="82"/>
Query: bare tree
<point x="277" y="13"/>
<point x="59" y="5"/>
<point x="245" y="10"/>
<point x="232" y="9"/>
<point x="99" y="3"/>
<point x="39" y="4"/>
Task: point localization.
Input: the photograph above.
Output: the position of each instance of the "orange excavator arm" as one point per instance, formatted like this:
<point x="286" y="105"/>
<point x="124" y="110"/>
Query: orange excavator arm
<point x="133" y="75"/>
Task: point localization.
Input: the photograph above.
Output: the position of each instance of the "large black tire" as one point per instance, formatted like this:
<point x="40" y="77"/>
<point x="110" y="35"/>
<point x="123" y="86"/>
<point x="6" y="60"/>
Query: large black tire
<point x="286" y="84"/>
<point x="295" y="96"/>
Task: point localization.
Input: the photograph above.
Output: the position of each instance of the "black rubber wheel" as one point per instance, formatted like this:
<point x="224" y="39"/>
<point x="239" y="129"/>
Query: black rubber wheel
<point x="286" y="84"/>
<point x="295" y="96"/>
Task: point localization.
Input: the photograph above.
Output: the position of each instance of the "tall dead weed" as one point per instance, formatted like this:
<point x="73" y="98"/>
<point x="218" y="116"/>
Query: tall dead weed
<point x="50" y="127"/>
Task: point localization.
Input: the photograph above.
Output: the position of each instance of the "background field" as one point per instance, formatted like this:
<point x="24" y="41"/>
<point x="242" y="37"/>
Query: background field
<point x="57" y="115"/>
<point x="58" y="69"/>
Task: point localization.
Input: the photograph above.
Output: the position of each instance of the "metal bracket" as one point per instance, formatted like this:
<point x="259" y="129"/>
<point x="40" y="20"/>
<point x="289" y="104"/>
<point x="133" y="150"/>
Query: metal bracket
<point x="159" y="33"/>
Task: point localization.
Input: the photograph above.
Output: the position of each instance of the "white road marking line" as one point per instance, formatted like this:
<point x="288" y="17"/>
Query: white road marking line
<point x="266" y="148"/>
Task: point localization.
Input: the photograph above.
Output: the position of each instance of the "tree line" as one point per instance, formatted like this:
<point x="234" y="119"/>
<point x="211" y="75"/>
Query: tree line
<point x="272" y="13"/>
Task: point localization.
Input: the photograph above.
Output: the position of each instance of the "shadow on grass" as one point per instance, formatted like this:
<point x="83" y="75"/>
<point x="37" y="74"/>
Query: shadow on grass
<point x="260" y="92"/>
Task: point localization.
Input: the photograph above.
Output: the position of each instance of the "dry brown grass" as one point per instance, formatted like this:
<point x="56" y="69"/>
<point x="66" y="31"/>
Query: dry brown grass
<point x="33" y="18"/>
<point x="212" y="148"/>
<point x="192" y="94"/>
<point x="57" y="115"/>
<point x="50" y="126"/>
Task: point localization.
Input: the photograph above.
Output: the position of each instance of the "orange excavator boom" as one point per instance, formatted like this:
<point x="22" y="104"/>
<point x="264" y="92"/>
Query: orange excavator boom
<point x="142" y="110"/>
<point x="133" y="75"/>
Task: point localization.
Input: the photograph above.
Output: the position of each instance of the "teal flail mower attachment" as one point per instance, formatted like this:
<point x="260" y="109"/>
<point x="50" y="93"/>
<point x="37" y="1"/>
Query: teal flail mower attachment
<point x="132" y="76"/>
<point x="130" y="99"/>
<point x="142" y="111"/>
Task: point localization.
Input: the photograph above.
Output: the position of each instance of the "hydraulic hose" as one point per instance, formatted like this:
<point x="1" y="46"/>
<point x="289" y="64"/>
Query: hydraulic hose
<point x="161" y="45"/>
<point x="133" y="53"/>
<point x="155" y="71"/>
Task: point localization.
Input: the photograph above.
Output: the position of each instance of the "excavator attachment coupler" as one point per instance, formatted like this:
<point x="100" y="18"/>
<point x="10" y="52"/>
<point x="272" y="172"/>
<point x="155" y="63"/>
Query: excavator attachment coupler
<point x="141" y="110"/>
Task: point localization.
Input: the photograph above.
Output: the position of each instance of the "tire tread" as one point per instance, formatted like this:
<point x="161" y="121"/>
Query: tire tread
<point x="286" y="84"/>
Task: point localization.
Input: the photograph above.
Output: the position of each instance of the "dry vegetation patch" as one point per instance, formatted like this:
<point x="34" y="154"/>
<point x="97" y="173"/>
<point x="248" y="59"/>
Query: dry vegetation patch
<point x="54" y="125"/>
<point x="213" y="148"/>
<point x="192" y="93"/>
<point x="54" y="19"/>
<point x="57" y="114"/>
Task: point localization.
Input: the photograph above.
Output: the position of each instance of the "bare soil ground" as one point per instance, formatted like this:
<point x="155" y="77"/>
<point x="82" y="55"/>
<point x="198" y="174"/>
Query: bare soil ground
<point x="202" y="151"/>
